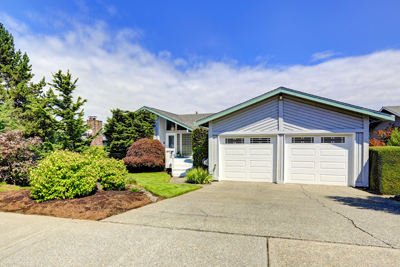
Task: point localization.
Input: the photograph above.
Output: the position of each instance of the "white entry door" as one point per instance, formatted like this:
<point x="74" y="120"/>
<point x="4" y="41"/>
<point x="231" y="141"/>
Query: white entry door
<point x="250" y="159"/>
<point x="170" y="149"/>
<point x="315" y="159"/>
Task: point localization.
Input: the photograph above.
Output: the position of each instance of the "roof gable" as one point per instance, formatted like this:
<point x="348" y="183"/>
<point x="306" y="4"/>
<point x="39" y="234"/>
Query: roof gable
<point x="395" y="110"/>
<point x="283" y="90"/>
<point x="185" y="120"/>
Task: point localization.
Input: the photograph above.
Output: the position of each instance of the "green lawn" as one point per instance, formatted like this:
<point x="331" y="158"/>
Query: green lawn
<point x="6" y="187"/>
<point x="157" y="183"/>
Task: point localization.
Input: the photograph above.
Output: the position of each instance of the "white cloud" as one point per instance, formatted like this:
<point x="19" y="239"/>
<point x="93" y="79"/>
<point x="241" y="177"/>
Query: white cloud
<point x="323" y="55"/>
<point x="116" y="72"/>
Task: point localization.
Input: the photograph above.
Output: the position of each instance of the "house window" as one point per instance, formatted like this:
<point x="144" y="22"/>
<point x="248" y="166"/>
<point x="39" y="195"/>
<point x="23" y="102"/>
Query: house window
<point x="170" y="126"/>
<point x="186" y="145"/>
<point x="302" y="140"/>
<point x="180" y="128"/>
<point x="260" y="140"/>
<point x="334" y="140"/>
<point x="234" y="141"/>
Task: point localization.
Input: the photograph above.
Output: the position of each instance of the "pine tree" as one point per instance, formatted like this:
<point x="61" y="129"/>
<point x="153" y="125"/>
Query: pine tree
<point x="124" y="128"/>
<point x="16" y="74"/>
<point x="8" y="121"/>
<point x="71" y="125"/>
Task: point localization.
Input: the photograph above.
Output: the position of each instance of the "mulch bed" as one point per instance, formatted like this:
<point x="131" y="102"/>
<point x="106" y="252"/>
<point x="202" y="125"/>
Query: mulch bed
<point x="98" y="206"/>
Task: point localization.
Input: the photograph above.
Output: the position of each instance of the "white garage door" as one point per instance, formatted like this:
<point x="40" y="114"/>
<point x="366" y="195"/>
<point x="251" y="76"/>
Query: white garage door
<point x="249" y="159"/>
<point x="318" y="159"/>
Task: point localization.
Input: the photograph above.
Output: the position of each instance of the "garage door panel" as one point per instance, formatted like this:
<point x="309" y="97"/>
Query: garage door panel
<point x="302" y="164"/>
<point x="235" y="163"/>
<point x="319" y="161"/>
<point x="235" y="151"/>
<point x="333" y="152"/>
<point x="235" y="175"/>
<point x="333" y="165"/>
<point x="247" y="161"/>
<point x="333" y="178"/>
<point x="261" y="151"/>
<point x="302" y="177"/>
<point x="261" y="163"/>
<point x="302" y="152"/>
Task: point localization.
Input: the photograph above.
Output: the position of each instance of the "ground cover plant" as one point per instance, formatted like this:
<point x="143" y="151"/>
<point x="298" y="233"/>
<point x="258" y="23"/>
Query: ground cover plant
<point x="157" y="183"/>
<point x="198" y="176"/>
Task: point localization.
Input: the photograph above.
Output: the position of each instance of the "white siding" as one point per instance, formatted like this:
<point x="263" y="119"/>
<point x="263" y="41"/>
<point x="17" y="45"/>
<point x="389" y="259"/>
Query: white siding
<point x="300" y="116"/>
<point x="259" y="117"/>
<point x="359" y="159"/>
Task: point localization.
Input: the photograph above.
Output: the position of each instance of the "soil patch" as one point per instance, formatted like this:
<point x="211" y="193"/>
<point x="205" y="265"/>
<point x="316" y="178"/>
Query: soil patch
<point x="98" y="206"/>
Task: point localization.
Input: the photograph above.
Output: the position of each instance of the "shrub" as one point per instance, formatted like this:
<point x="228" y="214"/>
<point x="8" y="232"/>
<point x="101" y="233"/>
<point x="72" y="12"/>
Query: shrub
<point x="145" y="155"/>
<point x="200" y="153"/>
<point x="198" y="176"/>
<point x="200" y="147"/>
<point x="394" y="138"/>
<point x="95" y="153"/>
<point x="385" y="170"/>
<point x="135" y="190"/>
<point x="61" y="175"/>
<point x="17" y="157"/>
<point x="66" y="174"/>
<point x="111" y="173"/>
<point x="199" y="138"/>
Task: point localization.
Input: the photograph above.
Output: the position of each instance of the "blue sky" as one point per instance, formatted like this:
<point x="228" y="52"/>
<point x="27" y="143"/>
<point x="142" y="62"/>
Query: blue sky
<point x="229" y="51"/>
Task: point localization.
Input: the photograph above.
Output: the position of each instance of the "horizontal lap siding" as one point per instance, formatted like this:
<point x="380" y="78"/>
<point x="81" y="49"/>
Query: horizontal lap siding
<point x="259" y="117"/>
<point x="299" y="116"/>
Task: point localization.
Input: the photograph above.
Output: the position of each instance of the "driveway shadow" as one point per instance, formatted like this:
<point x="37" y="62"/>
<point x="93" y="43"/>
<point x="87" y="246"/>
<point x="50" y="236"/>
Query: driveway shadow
<point x="370" y="203"/>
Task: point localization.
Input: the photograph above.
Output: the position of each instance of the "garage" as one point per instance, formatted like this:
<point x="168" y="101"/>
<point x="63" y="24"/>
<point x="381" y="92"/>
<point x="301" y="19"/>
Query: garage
<point x="288" y="136"/>
<point x="248" y="158"/>
<point x="315" y="159"/>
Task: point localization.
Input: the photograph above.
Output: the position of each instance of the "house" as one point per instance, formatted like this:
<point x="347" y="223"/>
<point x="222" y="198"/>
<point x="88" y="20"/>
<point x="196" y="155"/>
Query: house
<point x="173" y="131"/>
<point x="375" y="126"/>
<point x="287" y="136"/>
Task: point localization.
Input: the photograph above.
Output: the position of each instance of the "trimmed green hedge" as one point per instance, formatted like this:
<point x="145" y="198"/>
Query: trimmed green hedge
<point x="384" y="165"/>
<point x="199" y="147"/>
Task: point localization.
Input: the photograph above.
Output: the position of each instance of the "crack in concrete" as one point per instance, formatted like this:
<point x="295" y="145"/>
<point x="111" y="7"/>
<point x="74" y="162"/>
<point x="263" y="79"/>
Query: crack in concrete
<point x="349" y="219"/>
<point x="249" y="235"/>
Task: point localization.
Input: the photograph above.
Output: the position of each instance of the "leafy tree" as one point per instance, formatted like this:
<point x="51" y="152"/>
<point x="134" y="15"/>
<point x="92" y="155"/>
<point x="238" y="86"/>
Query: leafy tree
<point x="8" y="120"/>
<point x="17" y="157"/>
<point x="70" y="124"/>
<point x="124" y="128"/>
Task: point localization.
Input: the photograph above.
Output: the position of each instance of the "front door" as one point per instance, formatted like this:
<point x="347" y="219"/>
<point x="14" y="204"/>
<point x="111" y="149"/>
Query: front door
<point x="170" y="149"/>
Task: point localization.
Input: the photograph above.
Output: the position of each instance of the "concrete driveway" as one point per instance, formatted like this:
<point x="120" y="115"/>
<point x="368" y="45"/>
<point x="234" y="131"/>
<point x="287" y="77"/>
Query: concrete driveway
<point x="225" y="224"/>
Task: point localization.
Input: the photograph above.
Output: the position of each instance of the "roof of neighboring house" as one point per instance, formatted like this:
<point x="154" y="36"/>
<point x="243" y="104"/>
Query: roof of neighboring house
<point x="284" y="90"/>
<point x="184" y="120"/>
<point x="395" y="110"/>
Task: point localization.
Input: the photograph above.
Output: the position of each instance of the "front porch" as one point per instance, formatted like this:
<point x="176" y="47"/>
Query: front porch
<point x="178" y="152"/>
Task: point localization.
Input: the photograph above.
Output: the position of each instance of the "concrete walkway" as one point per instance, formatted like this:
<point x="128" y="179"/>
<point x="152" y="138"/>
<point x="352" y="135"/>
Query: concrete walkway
<point x="224" y="224"/>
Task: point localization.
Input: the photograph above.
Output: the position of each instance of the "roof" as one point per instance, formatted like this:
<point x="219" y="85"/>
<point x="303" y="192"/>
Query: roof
<point x="395" y="110"/>
<point x="284" y="90"/>
<point x="184" y="120"/>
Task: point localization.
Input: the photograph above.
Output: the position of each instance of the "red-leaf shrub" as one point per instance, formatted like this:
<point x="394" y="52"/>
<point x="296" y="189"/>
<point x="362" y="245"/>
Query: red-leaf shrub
<point x="145" y="155"/>
<point x="16" y="157"/>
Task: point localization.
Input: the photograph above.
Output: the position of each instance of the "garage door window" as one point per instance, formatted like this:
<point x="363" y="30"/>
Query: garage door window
<point x="335" y="140"/>
<point x="260" y="140"/>
<point x="234" y="141"/>
<point x="302" y="140"/>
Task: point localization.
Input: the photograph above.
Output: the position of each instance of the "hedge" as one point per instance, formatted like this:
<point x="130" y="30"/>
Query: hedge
<point x="384" y="175"/>
<point x="199" y="138"/>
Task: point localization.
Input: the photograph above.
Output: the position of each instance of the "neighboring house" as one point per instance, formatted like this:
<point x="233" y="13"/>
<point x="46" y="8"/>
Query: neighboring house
<point x="380" y="125"/>
<point x="173" y="131"/>
<point x="287" y="136"/>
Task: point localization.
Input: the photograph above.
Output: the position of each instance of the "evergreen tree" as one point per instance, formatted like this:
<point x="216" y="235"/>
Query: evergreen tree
<point x="16" y="74"/>
<point x="71" y="125"/>
<point x="124" y="128"/>
<point x="8" y="121"/>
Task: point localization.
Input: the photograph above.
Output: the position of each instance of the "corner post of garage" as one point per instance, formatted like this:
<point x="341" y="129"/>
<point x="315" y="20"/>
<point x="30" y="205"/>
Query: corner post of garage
<point x="280" y="155"/>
